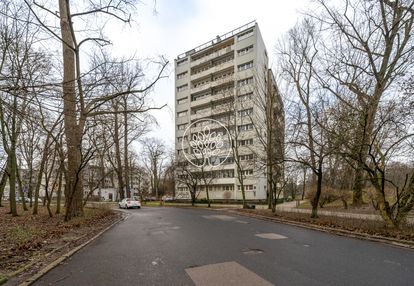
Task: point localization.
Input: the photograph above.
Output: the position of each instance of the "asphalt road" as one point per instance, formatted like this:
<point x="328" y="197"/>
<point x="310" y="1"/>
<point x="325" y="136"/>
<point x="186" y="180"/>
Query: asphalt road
<point x="171" y="246"/>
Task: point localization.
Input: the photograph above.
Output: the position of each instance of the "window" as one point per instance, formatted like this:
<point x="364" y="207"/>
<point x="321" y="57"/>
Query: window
<point x="245" y="66"/>
<point x="182" y="75"/>
<point x="247" y="172"/>
<point x="182" y="126"/>
<point x="181" y="62"/>
<point x="246" y="142"/>
<point x="226" y="174"/>
<point x="245" y="35"/>
<point x="246" y="187"/>
<point x="246" y="157"/>
<point x="229" y="160"/>
<point x="182" y="87"/>
<point x="245" y="50"/>
<point x="245" y="112"/>
<point x="182" y="100"/>
<point x="246" y="96"/>
<point x="182" y="113"/>
<point x="228" y="188"/>
<point x="245" y="127"/>
<point x="245" y="81"/>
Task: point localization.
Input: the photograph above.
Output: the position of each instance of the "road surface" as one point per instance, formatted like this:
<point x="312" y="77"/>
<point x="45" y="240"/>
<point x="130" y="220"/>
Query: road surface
<point x="173" y="246"/>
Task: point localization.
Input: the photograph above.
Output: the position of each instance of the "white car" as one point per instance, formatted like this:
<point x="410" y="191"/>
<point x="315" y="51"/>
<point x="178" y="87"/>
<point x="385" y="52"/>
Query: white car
<point x="129" y="203"/>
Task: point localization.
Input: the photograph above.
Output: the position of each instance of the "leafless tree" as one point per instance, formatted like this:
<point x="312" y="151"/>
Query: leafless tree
<point x="269" y="126"/>
<point x="300" y="63"/>
<point x="21" y="69"/>
<point x="367" y="46"/>
<point x="188" y="176"/>
<point x="78" y="106"/>
<point x="154" y="152"/>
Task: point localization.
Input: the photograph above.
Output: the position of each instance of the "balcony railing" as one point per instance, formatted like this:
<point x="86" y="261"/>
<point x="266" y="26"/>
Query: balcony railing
<point x="211" y="56"/>
<point x="212" y="84"/>
<point x="212" y="69"/>
<point x="217" y="40"/>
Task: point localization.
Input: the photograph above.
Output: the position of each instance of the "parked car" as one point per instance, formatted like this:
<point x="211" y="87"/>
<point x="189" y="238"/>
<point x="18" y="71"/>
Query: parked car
<point x="27" y="200"/>
<point x="129" y="203"/>
<point x="168" y="199"/>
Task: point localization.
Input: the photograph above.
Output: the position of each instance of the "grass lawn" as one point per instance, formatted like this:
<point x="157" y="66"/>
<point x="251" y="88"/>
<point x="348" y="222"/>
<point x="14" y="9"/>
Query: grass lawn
<point x="339" y="207"/>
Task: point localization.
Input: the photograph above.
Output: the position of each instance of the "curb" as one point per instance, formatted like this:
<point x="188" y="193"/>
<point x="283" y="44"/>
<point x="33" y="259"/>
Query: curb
<point x="59" y="260"/>
<point x="341" y="232"/>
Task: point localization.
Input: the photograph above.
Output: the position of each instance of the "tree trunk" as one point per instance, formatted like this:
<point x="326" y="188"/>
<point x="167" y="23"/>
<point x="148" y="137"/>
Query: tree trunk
<point x="358" y="185"/>
<point x="30" y="187"/>
<point x="208" y="197"/>
<point x="73" y="131"/>
<point x="12" y="179"/>
<point x="59" y="191"/>
<point x="119" y="172"/>
<point x="126" y="165"/>
<point x="48" y="197"/>
<point x="304" y="184"/>
<point x="21" y="193"/>
<point x="193" y="196"/>
<point x="2" y="185"/>
<point x="40" y="174"/>
<point x="315" y="200"/>
<point x="62" y="176"/>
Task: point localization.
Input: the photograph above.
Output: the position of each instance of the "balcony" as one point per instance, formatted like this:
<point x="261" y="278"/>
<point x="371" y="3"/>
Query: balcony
<point x="202" y="100"/>
<point x="212" y="56"/>
<point x="200" y="114"/>
<point x="212" y="84"/>
<point x="211" y="98"/>
<point x="212" y="70"/>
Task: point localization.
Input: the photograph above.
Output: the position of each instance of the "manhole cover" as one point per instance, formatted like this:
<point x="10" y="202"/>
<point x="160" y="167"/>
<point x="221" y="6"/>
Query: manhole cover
<point x="252" y="251"/>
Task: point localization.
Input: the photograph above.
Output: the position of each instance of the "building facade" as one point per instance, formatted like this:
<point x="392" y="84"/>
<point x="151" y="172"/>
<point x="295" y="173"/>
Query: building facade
<point x="221" y="90"/>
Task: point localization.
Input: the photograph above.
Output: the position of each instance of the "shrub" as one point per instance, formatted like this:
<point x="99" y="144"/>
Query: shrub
<point x="203" y="201"/>
<point x="330" y="195"/>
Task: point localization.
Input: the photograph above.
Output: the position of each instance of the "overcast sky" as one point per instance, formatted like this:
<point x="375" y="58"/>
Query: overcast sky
<point x="180" y="25"/>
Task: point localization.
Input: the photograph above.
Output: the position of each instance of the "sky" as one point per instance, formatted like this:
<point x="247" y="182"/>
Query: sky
<point x="172" y="27"/>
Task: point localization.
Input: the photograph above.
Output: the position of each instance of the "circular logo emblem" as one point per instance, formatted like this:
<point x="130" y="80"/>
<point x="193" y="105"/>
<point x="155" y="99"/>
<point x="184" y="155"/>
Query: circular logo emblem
<point x="208" y="144"/>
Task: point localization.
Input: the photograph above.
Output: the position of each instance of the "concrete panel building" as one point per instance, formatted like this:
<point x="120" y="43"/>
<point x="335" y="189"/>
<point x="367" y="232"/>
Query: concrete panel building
<point x="221" y="90"/>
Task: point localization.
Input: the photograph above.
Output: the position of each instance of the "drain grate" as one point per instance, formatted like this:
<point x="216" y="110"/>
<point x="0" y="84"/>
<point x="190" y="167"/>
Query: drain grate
<point x="252" y="251"/>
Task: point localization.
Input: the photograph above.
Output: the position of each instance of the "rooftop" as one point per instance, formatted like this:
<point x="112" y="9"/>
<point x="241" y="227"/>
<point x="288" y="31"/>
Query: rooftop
<point x="217" y="39"/>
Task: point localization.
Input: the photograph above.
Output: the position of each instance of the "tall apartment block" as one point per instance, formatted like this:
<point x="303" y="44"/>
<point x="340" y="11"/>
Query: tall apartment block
<point x="225" y="84"/>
